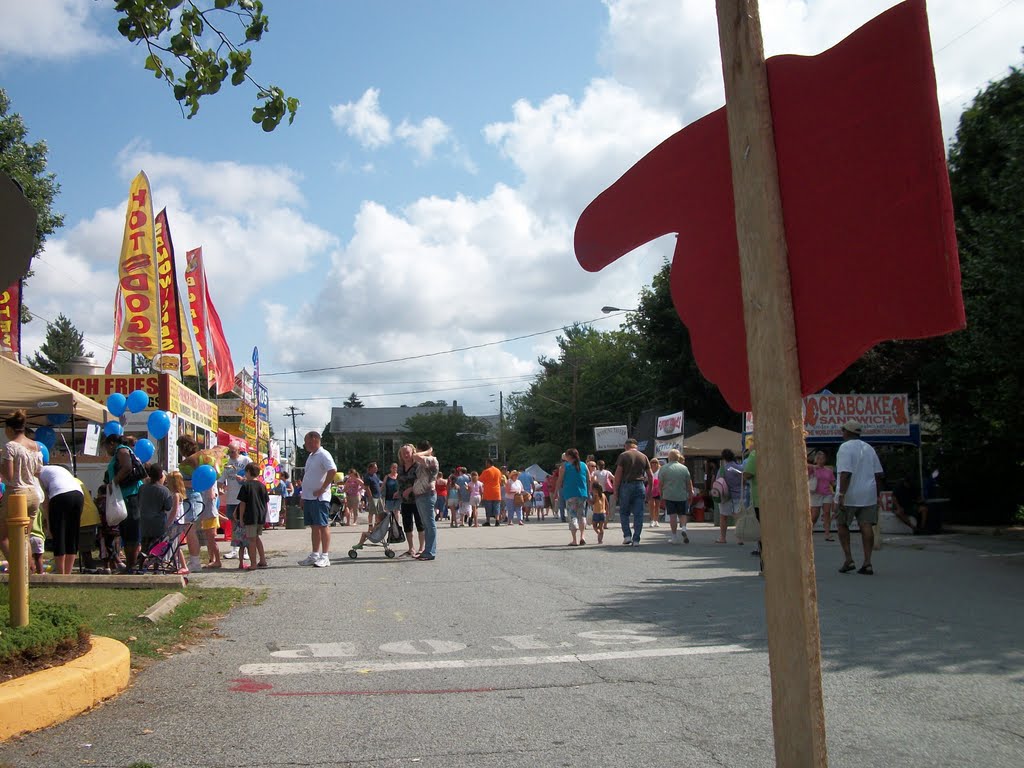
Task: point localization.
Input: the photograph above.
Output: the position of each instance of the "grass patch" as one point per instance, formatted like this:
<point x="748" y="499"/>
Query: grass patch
<point x="52" y="629"/>
<point x="114" y="613"/>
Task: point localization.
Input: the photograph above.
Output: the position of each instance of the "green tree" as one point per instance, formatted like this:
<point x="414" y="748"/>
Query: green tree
<point x="353" y="401"/>
<point x="192" y="37"/>
<point x="597" y="379"/>
<point x="63" y="343"/>
<point x="663" y="344"/>
<point x="982" y="370"/>
<point x="26" y="164"/>
<point x="457" y="439"/>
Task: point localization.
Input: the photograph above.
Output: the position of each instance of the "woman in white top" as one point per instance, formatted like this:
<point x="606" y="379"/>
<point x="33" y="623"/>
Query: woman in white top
<point x="63" y="505"/>
<point x="19" y="469"/>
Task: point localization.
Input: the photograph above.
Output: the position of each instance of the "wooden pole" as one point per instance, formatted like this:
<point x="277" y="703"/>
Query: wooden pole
<point x="18" y="524"/>
<point x="791" y="603"/>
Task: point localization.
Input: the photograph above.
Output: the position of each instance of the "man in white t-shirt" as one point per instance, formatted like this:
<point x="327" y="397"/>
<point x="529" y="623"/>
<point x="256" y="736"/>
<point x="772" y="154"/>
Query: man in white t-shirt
<point x="860" y="477"/>
<point x="316" y="500"/>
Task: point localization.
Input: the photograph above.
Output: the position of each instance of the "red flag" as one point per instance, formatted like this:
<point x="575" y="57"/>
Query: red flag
<point x="866" y="203"/>
<point x="221" y="357"/>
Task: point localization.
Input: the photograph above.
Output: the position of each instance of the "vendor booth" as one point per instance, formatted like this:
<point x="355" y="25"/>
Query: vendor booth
<point x="47" y="402"/>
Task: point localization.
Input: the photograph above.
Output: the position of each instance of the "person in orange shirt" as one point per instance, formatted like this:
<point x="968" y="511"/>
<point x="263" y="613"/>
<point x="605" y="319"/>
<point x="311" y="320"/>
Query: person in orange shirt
<point x="491" y="478"/>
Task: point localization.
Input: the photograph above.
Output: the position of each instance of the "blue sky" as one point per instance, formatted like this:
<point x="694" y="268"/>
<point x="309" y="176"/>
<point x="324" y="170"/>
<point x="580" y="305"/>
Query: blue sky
<point x="425" y="197"/>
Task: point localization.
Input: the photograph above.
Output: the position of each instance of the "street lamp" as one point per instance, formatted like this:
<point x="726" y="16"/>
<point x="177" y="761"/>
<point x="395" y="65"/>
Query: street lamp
<point x="606" y="310"/>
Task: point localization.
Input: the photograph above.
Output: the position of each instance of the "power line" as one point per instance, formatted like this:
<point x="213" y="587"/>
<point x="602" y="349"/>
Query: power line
<point x="967" y="31"/>
<point x="346" y="385"/>
<point x="445" y="352"/>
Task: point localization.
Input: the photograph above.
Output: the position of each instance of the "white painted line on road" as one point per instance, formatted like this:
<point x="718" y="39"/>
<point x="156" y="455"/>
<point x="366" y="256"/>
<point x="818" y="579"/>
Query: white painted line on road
<point x="353" y="667"/>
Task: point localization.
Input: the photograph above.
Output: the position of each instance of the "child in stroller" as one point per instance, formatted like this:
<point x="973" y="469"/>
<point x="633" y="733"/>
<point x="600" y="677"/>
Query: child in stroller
<point x="386" y="531"/>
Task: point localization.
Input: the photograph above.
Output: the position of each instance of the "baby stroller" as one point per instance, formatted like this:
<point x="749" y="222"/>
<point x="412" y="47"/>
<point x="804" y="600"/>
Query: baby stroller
<point x="337" y="510"/>
<point x="387" y="532"/>
<point x="162" y="556"/>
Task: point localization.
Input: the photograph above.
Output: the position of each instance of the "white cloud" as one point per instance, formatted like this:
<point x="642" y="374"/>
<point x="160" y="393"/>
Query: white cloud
<point x="425" y="136"/>
<point x="50" y="29"/>
<point x="363" y="120"/>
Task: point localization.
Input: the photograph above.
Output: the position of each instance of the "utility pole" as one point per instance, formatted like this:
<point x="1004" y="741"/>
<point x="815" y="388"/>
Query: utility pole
<point x="293" y="412"/>
<point x="501" y="427"/>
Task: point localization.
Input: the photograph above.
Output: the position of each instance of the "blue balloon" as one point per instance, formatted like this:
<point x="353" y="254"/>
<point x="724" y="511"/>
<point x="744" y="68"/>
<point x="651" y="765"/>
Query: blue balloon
<point x="46" y="436"/>
<point x="113" y="428"/>
<point x="145" y="449"/>
<point x="116" y="403"/>
<point x="203" y="478"/>
<point x="3" y="487"/>
<point x="45" y="451"/>
<point x="58" y="418"/>
<point x="159" y="424"/>
<point x="137" y="401"/>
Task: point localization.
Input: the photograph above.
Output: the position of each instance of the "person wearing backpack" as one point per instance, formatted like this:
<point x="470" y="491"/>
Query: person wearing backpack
<point x="128" y="472"/>
<point x="727" y="491"/>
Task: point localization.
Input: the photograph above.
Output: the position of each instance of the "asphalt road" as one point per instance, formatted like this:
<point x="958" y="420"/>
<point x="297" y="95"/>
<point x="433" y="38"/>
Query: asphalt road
<point x="512" y="649"/>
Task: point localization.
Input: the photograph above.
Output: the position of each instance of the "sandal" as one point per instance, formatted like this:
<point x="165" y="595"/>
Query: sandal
<point x="582" y="542"/>
<point x="866" y="570"/>
<point x="572" y="544"/>
<point x="829" y="538"/>
<point x="720" y="541"/>
<point x="847" y="567"/>
<point x="264" y="564"/>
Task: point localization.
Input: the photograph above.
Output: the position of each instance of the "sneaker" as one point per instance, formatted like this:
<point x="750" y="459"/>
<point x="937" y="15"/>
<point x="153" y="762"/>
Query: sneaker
<point x="311" y="559"/>
<point x="627" y="542"/>
<point x="686" y="539"/>
<point x="675" y="539"/>
<point x="230" y="554"/>
<point x="323" y="560"/>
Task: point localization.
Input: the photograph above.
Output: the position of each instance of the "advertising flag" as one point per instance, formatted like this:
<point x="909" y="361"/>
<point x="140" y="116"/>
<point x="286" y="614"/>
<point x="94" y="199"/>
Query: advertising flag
<point x="137" y="275"/>
<point x="220" y="359"/>
<point x="195" y="284"/>
<point x="171" y="346"/>
<point x="10" y="321"/>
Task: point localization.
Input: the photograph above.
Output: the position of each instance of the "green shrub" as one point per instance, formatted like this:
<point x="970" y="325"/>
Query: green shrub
<point x="51" y="628"/>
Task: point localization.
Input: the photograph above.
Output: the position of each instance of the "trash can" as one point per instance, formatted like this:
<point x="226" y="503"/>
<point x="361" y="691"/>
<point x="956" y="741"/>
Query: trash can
<point x="293" y="520"/>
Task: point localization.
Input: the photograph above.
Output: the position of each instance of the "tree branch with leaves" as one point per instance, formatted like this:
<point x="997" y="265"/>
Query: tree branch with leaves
<point x="208" y="53"/>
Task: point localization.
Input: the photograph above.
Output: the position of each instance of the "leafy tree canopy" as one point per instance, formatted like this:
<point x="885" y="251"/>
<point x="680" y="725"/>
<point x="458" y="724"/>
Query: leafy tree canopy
<point x="456" y="438"/>
<point x="63" y="343"/>
<point x="208" y="53"/>
<point x="353" y="401"/>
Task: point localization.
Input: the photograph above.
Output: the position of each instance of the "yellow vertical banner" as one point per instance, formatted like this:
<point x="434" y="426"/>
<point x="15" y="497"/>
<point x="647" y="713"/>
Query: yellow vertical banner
<point x="137" y="273"/>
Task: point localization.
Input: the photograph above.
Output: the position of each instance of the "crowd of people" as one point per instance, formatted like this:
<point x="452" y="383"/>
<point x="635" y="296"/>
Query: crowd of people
<point x="164" y="507"/>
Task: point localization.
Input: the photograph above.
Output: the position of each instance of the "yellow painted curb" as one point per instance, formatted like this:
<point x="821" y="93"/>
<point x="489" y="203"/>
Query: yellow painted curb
<point x="52" y="696"/>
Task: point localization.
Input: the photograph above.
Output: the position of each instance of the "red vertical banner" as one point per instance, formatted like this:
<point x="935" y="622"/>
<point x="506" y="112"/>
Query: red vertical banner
<point x="195" y="285"/>
<point x="221" y="353"/>
<point x="10" y="321"/>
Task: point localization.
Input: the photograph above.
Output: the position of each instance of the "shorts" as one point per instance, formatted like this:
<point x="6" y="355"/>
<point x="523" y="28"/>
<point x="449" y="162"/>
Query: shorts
<point x="680" y="508"/>
<point x="491" y="507"/>
<point x="252" y="532"/>
<point x="453" y="502"/>
<point x="375" y="506"/>
<point x="315" y="513"/>
<point x="37" y="544"/>
<point x="129" y="527"/>
<point x="209" y="525"/>
<point x="392" y="505"/>
<point x="864" y="515"/>
<point x="411" y="517"/>
<point x="31" y="500"/>
<point x="598" y="517"/>
<point x="474" y="500"/>
<point x="727" y="508"/>
<point x="820" y="499"/>
<point x="465" y="508"/>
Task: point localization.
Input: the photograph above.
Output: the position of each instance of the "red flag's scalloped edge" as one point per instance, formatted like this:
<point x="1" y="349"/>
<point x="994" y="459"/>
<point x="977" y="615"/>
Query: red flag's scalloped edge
<point x="866" y="202"/>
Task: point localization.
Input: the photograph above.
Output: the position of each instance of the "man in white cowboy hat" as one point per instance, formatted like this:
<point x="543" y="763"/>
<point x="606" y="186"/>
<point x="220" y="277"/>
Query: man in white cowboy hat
<point x="860" y="476"/>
